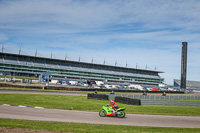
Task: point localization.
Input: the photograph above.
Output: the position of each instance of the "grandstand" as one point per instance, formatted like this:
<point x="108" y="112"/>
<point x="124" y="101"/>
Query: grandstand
<point x="25" y="65"/>
<point x="189" y="84"/>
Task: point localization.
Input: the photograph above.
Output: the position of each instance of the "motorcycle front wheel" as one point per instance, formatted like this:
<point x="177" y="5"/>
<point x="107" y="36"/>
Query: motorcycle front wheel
<point x="121" y="114"/>
<point x="102" y="113"/>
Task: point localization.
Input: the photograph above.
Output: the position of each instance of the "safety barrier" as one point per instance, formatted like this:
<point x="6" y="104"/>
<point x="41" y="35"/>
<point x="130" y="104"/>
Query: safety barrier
<point x="97" y="96"/>
<point x="125" y="90"/>
<point x="39" y="87"/>
<point x="159" y="100"/>
<point x="159" y="97"/>
<point x="126" y="100"/>
<point x="21" y="86"/>
<point x="169" y="103"/>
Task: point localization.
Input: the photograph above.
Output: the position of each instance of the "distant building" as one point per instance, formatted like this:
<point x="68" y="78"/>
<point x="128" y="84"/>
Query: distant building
<point x="189" y="84"/>
<point x="24" y="65"/>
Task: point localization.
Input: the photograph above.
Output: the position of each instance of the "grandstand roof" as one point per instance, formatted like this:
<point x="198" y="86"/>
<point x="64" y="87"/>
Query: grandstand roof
<point x="77" y="62"/>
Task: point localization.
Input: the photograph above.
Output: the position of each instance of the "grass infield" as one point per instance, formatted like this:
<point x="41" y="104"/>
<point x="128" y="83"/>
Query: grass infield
<point x="90" y="128"/>
<point x="82" y="103"/>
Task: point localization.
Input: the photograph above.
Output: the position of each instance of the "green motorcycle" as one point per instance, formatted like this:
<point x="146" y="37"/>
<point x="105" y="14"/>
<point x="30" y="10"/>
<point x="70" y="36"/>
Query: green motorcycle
<point x="108" y="111"/>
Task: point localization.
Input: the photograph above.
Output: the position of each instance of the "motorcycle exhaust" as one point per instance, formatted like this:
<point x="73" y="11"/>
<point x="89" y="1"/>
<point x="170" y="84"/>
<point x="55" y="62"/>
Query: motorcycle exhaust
<point x="119" y="113"/>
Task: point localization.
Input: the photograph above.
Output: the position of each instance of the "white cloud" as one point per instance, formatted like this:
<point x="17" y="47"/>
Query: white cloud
<point x="143" y="32"/>
<point x="97" y="14"/>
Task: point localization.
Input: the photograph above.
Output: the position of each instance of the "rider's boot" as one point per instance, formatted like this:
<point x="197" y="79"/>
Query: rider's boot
<point x="114" y="112"/>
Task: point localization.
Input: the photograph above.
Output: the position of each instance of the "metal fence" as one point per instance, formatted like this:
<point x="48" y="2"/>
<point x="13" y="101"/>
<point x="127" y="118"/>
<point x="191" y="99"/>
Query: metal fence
<point x="169" y="103"/>
<point x="160" y="97"/>
<point x="156" y="100"/>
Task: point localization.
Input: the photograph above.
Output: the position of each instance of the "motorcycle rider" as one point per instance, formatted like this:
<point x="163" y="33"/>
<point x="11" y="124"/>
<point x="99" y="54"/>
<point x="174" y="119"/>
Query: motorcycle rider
<point x="114" y="106"/>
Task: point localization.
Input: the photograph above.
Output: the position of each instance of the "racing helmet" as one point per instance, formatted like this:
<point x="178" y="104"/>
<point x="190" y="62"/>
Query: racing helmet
<point x="111" y="101"/>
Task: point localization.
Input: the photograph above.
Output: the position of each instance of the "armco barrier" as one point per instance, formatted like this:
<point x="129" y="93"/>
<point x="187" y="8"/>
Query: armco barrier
<point x="117" y="99"/>
<point x="39" y="87"/>
<point x="169" y="103"/>
<point x="126" y="100"/>
<point x="155" y="100"/>
<point x="160" y="97"/>
<point x="97" y="96"/>
<point x="61" y="88"/>
<point x="124" y="90"/>
<point x="21" y="86"/>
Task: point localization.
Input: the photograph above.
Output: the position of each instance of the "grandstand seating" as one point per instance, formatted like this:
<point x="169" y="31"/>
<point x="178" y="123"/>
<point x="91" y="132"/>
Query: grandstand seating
<point x="75" y="68"/>
<point x="189" y="84"/>
<point x="79" y="69"/>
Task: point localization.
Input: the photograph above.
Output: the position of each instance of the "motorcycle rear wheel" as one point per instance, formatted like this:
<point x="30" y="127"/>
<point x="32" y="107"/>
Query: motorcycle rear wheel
<point x="121" y="114"/>
<point x="102" y="113"/>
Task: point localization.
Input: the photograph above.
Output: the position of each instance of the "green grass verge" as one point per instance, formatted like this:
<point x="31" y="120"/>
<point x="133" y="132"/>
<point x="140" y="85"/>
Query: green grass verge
<point x="90" y="128"/>
<point x="82" y="103"/>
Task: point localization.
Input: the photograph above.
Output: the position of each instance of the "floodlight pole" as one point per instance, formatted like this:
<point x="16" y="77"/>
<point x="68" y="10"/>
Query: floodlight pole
<point x="20" y="51"/>
<point x="36" y="53"/>
<point x="66" y="57"/>
<point x="184" y="66"/>
<point x="92" y="60"/>
<point x="2" y="48"/>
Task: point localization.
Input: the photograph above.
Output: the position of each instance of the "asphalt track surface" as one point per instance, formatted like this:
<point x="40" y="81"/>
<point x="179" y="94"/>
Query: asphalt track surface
<point x="57" y="115"/>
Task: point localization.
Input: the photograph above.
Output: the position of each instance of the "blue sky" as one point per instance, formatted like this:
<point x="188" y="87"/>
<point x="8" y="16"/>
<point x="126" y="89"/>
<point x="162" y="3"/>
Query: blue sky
<point x="137" y="32"/>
